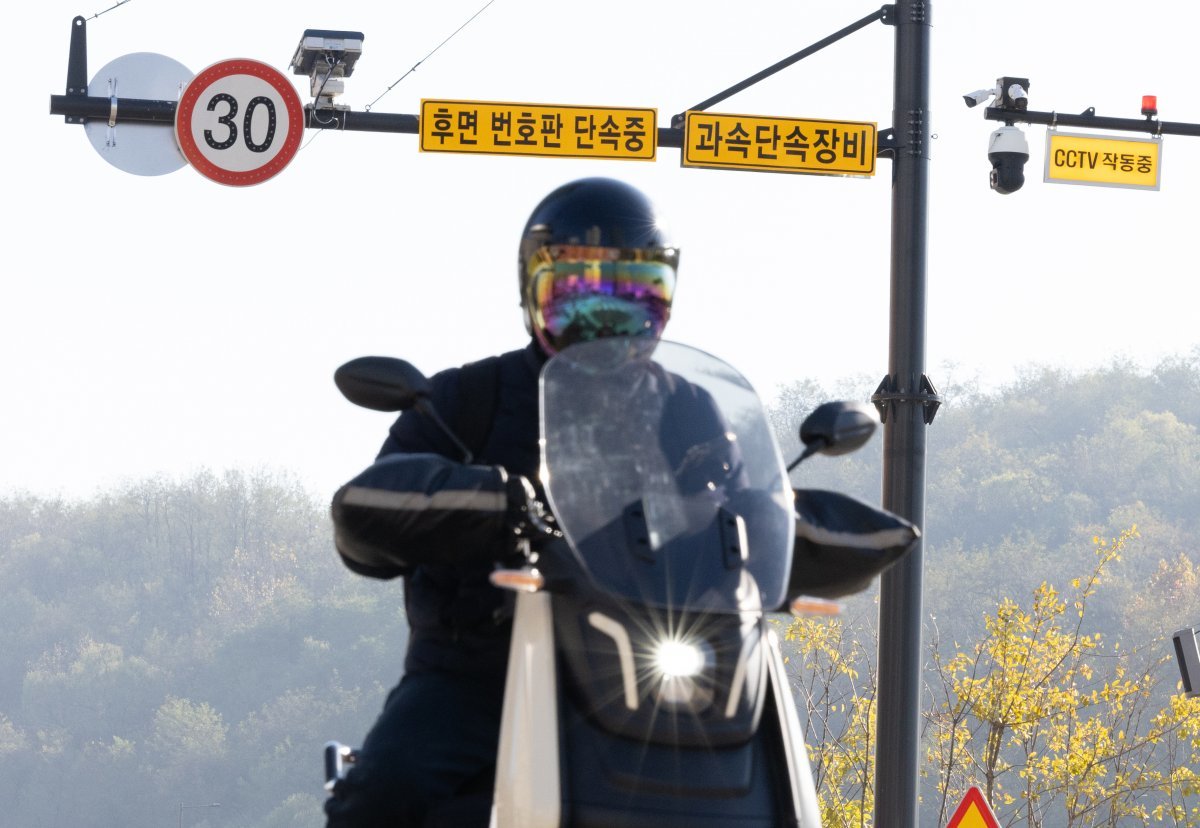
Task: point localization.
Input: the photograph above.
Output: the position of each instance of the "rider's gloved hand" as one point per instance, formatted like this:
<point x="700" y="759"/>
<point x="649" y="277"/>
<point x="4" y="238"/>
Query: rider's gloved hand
<point x="526" y="517"/>
<point x="523" y="506"/>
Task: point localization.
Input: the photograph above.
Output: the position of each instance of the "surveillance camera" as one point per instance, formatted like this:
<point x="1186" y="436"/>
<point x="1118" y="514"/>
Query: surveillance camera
<point x="1008" y="152"/>
<point x="1018" y="96"/>
<point x="979" y="96"/>
<point x="1012" y="93"/>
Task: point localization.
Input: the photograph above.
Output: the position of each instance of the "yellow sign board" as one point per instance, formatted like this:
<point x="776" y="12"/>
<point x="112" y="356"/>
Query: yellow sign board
<point x="538" y="129"/>
<point x="1074" y="158"/>
<point x="794" y="145"/>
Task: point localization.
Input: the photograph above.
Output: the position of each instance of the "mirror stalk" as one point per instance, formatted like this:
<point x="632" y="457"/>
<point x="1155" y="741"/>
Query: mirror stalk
<point x="425" y="407"/>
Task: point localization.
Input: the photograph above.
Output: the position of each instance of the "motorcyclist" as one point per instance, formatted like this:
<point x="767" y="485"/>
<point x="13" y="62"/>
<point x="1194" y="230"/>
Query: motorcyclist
<point x="594" y="261"/>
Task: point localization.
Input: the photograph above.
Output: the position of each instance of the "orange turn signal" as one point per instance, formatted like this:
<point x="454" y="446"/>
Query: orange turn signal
<point x="518" y="580"/>
<point x="807" y="605"/>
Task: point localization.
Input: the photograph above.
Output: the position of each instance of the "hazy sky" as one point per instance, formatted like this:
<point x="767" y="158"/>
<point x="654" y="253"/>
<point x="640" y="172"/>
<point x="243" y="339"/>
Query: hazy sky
<point x="167" y="324"/>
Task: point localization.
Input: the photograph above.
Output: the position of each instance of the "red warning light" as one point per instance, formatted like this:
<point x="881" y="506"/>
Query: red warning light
<point x="1149" y="105"/>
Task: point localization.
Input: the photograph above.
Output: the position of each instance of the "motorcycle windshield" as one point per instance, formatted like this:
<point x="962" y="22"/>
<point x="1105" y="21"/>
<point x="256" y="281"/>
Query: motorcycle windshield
<point x="664" y="476"/>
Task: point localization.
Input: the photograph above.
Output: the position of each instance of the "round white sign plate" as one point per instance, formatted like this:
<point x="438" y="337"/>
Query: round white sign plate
<point x="239" y="122"/>
<point x="139" y="148"/>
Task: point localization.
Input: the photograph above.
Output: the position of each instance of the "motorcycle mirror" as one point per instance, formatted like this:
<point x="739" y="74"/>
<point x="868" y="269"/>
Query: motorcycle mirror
<point x="390" y="384"/>
<point x="838" y="427"/>
<point x="835" y="428"/>
<point x="381" y="383"/>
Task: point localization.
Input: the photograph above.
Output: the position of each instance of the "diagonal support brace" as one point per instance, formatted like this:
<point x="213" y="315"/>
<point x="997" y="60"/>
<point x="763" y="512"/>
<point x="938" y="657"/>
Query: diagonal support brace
<point x="886" y="14"/>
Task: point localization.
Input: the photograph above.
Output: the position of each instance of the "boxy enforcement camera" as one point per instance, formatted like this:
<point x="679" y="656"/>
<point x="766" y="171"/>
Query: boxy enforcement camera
<point x="327" y="57"/>
<point x="1008" y="152"/>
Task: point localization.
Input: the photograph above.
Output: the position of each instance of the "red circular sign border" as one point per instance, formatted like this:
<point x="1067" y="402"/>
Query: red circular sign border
<point x="224" y="69"/>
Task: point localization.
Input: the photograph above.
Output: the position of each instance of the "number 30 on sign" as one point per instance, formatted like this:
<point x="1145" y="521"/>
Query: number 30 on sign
<point x="239" y="122"/>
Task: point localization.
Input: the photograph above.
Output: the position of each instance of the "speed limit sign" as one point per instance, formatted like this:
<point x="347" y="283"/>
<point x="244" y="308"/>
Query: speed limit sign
<point x="239" y="122"/>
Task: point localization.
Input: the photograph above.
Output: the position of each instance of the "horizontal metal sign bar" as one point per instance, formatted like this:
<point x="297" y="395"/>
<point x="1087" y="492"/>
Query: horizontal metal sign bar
<point x="84" y="107"/>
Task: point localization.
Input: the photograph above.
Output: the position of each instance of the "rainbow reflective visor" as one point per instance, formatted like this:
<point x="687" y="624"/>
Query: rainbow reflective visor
<point x="577" y="294"/>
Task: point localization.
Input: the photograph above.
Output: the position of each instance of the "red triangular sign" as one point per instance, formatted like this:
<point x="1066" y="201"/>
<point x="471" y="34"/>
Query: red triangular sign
<point x="973" y="812"/>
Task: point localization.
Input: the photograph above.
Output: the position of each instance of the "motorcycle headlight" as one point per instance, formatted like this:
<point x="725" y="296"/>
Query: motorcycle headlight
<point x="681" y="667"/>
<point x="678" y="659"/>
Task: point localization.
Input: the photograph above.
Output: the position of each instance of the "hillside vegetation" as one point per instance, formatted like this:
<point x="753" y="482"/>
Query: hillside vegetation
<point x="185" y="643"/>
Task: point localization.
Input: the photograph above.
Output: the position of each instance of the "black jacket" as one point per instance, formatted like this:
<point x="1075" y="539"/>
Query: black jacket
<point x="421" y="513"/>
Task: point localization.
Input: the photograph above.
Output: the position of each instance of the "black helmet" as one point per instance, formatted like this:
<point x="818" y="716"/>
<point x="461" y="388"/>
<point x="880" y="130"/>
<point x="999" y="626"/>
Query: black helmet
<point x="595" y="261"/>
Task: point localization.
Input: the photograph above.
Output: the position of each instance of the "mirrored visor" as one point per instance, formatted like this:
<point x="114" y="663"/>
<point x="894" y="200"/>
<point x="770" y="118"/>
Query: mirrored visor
<point x="582" y="293"/>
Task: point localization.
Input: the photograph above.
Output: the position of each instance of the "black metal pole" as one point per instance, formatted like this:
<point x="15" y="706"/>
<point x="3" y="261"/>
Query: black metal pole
<point x="907" y="401"/>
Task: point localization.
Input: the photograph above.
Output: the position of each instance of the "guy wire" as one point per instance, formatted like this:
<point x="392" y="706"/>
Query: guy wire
<point x="110" y="8"/>
<point x="422" y="60"/>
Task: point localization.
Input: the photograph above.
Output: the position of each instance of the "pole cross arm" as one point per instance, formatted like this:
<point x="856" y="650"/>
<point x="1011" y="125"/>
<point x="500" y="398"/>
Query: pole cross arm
<point x="81" y="108"/>
<point x="1090" y="120"/>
